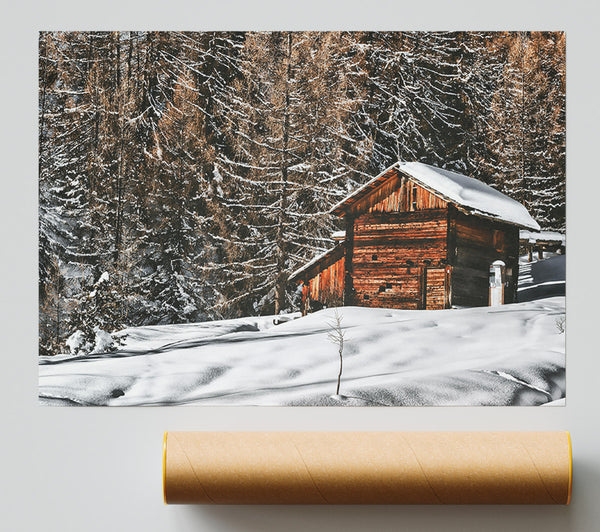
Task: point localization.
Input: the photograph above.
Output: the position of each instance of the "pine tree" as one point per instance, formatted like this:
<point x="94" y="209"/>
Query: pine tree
<point x="526" y="131"/>
<point x="409" y="112"/>
<point x="96" y="315"/>
<point x="296" y="152"/>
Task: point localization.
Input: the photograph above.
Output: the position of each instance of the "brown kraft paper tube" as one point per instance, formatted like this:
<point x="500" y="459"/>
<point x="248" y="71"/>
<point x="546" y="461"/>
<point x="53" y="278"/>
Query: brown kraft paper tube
<point x="367" y="468"/>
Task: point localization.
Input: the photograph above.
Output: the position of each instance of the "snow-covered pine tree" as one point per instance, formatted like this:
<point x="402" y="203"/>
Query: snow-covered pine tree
<point x="170" y="288"/>
<point x="546" y="179"/>
<point x="186" y="75"/>
<point x="53" y="309"/>
<point x="64" y="147"/>
<point x="526" y="129"/>
<point x="408" y="111"/>
<point x="212" y="61"/>
<point x="296" y="149"/>
<point x="96" y="315"/>
<point x="476" y="74"/>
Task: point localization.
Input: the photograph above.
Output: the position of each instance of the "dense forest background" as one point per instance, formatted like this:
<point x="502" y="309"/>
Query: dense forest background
<point x="184" y="176"/>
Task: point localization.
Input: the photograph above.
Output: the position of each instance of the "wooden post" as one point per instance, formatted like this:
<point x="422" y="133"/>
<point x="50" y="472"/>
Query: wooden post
<point x="423" y="275"/>
<point x="348" y="280"/>
<point x="515" y="280"/>
<point x="305" y="298"/>
<point x="448" y="288"/>
<point x="540" y="252"/>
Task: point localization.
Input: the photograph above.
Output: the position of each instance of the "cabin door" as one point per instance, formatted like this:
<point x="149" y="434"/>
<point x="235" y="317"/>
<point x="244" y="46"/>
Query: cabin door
<point x="434" y="288"/>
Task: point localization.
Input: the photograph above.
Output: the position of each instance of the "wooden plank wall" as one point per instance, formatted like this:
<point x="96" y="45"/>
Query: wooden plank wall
<point x="406" y="196"/>
<point x="436" y="288"/>
<point x="392" y="253"/>
<point x="474" y="244"/>
<point x="326" y="288"/>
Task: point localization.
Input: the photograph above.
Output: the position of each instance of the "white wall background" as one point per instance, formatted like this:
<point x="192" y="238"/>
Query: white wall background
<point x="94" y="469"/>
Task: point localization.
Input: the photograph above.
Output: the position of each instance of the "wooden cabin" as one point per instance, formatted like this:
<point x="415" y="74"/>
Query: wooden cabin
<point x="417" y="237"/>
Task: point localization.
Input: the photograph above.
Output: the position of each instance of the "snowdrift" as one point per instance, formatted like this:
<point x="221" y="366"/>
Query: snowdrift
<point x="509" y="355"/>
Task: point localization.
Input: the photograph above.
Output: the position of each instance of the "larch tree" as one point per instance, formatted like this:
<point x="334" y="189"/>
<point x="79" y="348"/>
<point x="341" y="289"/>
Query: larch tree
<point x="526" y="128"/>
<point x="296" y="152"/>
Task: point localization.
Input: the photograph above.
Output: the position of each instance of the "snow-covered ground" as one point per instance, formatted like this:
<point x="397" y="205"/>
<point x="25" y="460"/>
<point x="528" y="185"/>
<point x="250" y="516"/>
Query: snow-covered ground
<point x="541" y="278"/>
<point x="508" y="355"/>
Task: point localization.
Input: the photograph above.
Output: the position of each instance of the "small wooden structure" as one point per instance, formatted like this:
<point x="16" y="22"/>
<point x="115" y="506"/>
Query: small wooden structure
<point x="540" y="241"/>
<point x="417" y="237"/>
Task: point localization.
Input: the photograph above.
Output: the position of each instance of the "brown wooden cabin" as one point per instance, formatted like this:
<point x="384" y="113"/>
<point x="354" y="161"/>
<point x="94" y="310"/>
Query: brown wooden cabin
<point x="417" y="237"/>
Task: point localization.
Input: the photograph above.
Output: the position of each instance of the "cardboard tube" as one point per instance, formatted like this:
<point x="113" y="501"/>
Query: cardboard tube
<point x="367" y="468"/>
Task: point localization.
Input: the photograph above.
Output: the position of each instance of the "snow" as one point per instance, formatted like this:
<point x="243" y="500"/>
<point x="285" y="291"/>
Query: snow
<point x="545" y="236"/>
<point x="472" y="193"/>
<point x="103" y="341"/>
<point x="508" y="355"/>
<point x="541" y="278"/>
<point x="76" y="342"/>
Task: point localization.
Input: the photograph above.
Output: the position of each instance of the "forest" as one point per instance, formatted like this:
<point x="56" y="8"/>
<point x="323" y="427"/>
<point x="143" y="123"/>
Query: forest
<point x="184" y="175"/>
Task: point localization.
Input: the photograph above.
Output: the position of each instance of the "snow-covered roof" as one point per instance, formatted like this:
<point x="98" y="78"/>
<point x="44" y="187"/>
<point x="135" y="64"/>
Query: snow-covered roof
<point x="545" y="236"/>
<point x="466" y="192"/>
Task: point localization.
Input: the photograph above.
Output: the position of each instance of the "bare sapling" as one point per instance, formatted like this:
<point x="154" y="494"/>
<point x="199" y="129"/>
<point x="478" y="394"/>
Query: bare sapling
<point x="336" y="336"/>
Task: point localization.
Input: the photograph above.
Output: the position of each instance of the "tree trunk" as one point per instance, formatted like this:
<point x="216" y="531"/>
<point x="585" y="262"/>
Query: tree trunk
<point x="281" y="280"/>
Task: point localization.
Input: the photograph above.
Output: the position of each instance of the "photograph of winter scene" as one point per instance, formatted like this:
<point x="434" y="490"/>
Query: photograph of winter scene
<point x="302" y="218"/>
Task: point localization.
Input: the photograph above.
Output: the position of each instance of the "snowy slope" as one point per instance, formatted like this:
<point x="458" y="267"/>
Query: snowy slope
<point x="480" y="356"/>
<point x="541" y="278"/>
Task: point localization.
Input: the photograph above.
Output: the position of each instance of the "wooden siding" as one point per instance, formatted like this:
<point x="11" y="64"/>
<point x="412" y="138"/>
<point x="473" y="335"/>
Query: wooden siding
<point x="406" y="196"/>
<point x="317" y="265"/>
<point x="392" y="255"/>
<point x="348" y="279"/>
<point x="474" y="243"/>
<point x="436" y="283"/>
<point x="372" y="193"/>
<point x="326" y="288"/>
<point x="393" y="193"/>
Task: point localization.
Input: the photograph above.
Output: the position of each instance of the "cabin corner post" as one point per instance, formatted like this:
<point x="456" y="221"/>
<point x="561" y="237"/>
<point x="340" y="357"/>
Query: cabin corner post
<point x="348" y="278"/>
<point x="451" y="252"/>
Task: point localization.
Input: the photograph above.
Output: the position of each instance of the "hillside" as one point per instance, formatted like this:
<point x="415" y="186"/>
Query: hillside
<point x="511" y="355"/>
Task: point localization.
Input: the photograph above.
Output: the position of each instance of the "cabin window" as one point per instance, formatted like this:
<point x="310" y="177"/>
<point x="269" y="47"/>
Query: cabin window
<point x="410" y="262"/>
<point x="373" y="257"/>
<point x="414" y="198"/>
<point x="366" y="296"/>
<point x="382" y="288"/>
